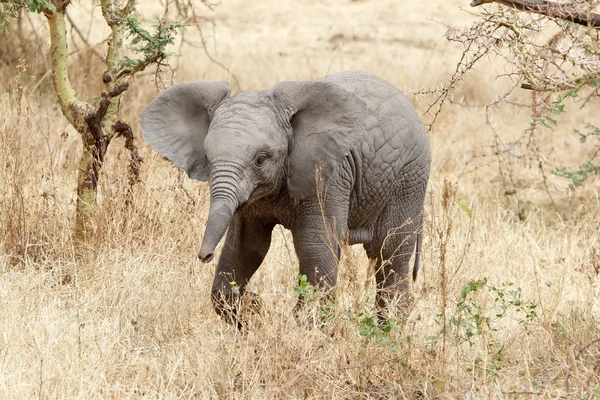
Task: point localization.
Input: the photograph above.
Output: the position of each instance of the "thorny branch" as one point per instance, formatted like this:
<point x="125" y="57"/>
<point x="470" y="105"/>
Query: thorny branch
<point x="99" y="141"/>
<point x="567" y="59"/>
<point x="568" y="11"/>
<point x="551" y="48"/>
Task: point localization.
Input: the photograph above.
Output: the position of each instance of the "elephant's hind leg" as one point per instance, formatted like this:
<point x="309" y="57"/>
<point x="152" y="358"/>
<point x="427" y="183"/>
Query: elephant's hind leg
<point x="392" y="248"/>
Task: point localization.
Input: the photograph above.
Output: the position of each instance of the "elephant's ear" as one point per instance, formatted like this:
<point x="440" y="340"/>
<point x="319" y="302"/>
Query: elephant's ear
<point x="327" y="122"/>
<point x="176" y="122"/>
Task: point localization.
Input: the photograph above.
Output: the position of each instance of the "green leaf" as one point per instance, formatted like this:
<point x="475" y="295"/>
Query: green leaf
<point x="149" y="47"/>
<point x="465" y="207"/>
<point x="472" y="286"/>
<point x="577" y="176"/>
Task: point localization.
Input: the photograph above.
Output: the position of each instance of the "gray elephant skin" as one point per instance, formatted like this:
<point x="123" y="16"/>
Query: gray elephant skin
<point x="344" y="159"/>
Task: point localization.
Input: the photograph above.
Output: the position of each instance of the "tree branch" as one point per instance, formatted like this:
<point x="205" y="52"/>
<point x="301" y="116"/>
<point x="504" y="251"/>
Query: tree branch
<point x="127" y="8"/>
<point x="124" y="130"/>
<point x="95" y="120"/>
<point x="80" y="34"/>
<point x="113" y="57"/>
<point x="563" y="11"/>
<point x="73" y="109"/>
<point x="581" y="81"/>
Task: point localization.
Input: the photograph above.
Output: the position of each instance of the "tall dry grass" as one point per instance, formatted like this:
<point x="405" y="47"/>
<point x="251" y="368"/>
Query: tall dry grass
<point x="131" y="318"/>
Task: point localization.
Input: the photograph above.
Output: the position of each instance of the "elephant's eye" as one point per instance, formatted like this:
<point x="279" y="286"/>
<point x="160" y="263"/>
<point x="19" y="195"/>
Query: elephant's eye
<point x="260" y="160"/>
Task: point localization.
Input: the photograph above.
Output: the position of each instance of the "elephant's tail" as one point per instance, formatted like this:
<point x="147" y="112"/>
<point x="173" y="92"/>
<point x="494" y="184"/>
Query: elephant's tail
<point x="418" y="248"/>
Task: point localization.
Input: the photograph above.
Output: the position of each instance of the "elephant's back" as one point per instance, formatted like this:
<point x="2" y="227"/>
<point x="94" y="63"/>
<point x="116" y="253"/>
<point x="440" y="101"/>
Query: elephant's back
<point x="395" y="148"/>
<point x="394" y="133"/>
<point x="385" y="102"/>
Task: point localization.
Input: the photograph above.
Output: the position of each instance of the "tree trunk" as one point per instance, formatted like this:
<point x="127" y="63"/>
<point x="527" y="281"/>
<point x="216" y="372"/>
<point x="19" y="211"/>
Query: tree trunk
<point x="75" y="111"/>
<point x="87" y="187"/>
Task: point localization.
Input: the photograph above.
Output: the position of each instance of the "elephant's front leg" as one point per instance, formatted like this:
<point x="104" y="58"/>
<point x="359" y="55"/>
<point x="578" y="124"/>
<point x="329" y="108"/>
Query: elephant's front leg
<point x="245" y="248"/>
<point x="318" y="236"/>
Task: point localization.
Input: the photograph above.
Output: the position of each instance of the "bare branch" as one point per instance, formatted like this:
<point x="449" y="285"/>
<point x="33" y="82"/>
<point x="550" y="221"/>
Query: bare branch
<point x="568" y="12"/>
<point x="187" y="11"/>
<point x="127" y="8"/>
<point x="80" y="34"/>
<point x="124" y="130"/>
<point x="559" y="66"/>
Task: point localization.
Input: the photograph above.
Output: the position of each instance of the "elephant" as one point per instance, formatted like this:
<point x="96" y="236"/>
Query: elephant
<point x="342" y="159"/>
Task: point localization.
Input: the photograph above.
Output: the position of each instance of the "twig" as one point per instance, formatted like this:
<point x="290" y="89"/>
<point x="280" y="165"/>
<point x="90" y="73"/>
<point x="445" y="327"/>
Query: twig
<point x="217" y="62"/>
<point x="563" y="11"/>
<point x="76" y="29"/>
<point x="39" y="82"/>
<point x="183" y="8"/>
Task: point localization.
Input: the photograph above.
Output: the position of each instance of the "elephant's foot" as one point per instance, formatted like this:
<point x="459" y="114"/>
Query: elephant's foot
<point x="226" y="305"/>
<point x="235" y="308"/>
<point x="393" y="303"/>
<point x="316" y="309"/>
<point x="251" y="305"/>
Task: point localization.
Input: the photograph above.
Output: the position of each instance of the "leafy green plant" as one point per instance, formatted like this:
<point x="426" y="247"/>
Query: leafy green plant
<point x="472" y="320"/>
<point x="556" y="108"/>
<point x="152" y="47"/>
<point x="577" y="176"/>
<point x="369" y="329"/>
<point x="366" y="324"/>
<point x="303" y="288"/>
<point x="509" y="299"/>
<point x="585" y="170"/>
<point x="9" y="9"/>
<point x="469" y="320"/>
<point x="308" y="295"/>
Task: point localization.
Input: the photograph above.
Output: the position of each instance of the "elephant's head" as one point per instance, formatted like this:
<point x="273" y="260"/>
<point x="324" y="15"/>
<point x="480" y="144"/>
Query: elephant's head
<point x="252" y="144"/>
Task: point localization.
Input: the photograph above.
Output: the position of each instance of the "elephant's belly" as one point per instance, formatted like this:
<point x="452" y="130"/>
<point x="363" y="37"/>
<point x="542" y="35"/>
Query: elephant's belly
<point x="360" y="235"/>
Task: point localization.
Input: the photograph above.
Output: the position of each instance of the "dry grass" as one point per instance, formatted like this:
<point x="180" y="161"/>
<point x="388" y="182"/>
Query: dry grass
<point x="132" y="317"/>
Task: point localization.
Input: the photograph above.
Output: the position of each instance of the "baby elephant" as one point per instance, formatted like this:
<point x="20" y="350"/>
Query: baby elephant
<point x="335" y="160"/>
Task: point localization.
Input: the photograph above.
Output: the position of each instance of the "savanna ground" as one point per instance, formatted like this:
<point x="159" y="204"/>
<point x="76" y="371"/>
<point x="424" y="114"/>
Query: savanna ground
<point x="132" y="318"/>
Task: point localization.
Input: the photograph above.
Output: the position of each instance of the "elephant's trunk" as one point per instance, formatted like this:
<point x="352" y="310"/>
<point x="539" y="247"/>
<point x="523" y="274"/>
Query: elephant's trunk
<point x="219" y="218"/>
<point x="224" y="200"/>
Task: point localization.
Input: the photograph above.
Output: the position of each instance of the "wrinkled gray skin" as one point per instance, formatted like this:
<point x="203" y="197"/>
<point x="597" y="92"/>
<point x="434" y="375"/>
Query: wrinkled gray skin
<point x="260" y="151"/>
